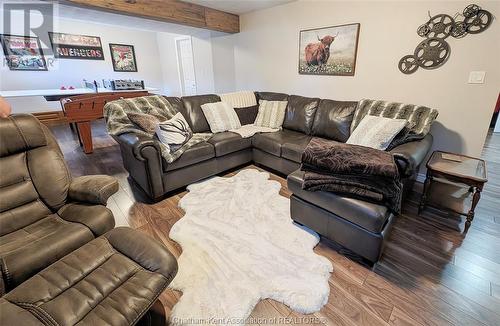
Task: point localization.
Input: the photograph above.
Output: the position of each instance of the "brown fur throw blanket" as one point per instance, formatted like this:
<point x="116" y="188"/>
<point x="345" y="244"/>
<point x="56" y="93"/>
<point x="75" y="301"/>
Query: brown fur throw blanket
<point x="355" y="171"/>
<point x="118" y="122"/>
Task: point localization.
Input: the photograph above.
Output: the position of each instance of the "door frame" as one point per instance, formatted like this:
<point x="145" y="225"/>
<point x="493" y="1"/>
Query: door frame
<point x="179" y="63"/>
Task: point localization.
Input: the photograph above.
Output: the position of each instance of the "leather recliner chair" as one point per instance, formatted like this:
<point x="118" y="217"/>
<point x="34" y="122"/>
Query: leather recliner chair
<point x="44" y="213"/>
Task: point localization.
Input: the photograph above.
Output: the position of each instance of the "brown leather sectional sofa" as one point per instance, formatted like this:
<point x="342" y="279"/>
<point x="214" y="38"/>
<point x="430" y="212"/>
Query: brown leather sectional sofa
<point x="357" y="225"/>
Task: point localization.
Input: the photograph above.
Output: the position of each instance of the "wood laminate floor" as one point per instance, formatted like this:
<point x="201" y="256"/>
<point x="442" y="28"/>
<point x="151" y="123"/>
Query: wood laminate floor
<point x="429" y="274"/>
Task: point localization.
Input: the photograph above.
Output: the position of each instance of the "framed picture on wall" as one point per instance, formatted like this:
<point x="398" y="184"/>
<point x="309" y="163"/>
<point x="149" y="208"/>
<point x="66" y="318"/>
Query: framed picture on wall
<point x="329" y="50"/>
<point x="73" y="46"/>
<point x="123" y="57"/>
<point x="23" y="52"/>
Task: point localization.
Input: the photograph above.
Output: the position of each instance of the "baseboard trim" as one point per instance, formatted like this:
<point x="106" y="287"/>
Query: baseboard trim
<point x="51" y="117"/>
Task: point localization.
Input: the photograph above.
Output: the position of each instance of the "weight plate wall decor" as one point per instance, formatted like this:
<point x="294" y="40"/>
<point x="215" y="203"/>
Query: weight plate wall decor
<point x="72" y="46"/>
<point x="434" y="51"/>
<point x="23" y="52"/>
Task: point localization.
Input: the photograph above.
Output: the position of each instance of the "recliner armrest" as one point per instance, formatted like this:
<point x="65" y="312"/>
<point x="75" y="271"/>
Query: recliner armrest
<point x="410" y="155"/>
<point x="93" y="189"/>
<point x="97" y="218"/>
<point x="150" y="254"/>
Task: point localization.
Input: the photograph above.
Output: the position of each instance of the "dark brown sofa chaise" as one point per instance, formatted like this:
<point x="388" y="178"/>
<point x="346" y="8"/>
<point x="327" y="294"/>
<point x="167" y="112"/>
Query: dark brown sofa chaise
<point x="354" y="224"/>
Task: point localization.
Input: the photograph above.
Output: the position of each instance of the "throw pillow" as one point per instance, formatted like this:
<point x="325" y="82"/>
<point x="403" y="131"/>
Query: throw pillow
<point x="147" y="122"/>
<point x="376" y="132"/>
<point x="271" y="114"/>
<point x="220" y="116"/>
<point x="174" y="132"/>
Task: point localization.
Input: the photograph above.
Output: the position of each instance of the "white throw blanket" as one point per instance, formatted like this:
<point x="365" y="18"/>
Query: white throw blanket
<point x="247" y="131"/>
<point x="240" y="99"/>
<point x="239" y="246"/>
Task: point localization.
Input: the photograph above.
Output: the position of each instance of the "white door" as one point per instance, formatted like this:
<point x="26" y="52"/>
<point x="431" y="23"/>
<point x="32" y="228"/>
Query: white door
<point x="186" y="65"/>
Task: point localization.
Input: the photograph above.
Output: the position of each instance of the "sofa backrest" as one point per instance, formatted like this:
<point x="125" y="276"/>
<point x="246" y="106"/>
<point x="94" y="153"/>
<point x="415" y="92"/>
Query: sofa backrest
<point x="333" y="119"/>
<point x="34" y="179"/>
<point x="191" y="110"/>
<point x="300" y="112"/>
<point x="271" y="96"/>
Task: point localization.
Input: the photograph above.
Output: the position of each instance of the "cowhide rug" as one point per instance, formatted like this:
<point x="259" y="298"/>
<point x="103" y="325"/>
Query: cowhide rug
<point x="239" y="246"/>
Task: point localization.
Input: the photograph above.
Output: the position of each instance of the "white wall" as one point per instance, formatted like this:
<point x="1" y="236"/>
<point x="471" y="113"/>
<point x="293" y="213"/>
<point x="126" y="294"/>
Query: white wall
<point x="266" y="54"/>
<point x="71" y="72"/>
<point x="155" y="54"/>
<point x="223" y="63"/>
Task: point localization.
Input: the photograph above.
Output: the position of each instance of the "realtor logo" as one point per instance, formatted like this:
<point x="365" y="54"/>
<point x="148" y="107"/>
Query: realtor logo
<point x="24" y="34"/>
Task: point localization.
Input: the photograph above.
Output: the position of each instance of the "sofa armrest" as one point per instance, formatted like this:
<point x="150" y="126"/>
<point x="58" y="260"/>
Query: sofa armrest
<point x="97" y="218"/>
<point x="92" y="189"/>
<point x="137" y="143"/>
<point x="147" y="252"/>
<point x="410" y="155"/>
<point x="142" y="159"/>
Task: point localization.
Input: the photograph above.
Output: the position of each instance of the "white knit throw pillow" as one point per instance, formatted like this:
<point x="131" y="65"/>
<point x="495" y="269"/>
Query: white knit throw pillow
<point x="174" y="132"/>
<point x="271" y="114"/>
<point x="220" y="116"/>
<point x="376" y="132"/>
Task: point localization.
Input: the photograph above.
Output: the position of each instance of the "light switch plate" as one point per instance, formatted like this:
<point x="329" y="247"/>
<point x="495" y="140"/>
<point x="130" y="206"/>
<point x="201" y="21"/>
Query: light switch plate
<point x="477" y="77"/>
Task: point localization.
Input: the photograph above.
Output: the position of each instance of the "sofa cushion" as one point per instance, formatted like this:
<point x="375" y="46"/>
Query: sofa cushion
<point x="333" y="119"/>
<point x="198" y="153"/>
<point x="293" y="149"/>
<point x="300" y="113"/>
<point x="272" y="142"/>
<point x="191" y="110"/>
<point x="369" y="216"/>
<point x="271" y="96"/>
<point x="229" y="142"/>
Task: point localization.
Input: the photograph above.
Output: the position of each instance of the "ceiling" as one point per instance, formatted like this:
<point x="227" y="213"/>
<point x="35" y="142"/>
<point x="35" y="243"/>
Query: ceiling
<point x="239" y="7"/>
<point x="233" y="6"/>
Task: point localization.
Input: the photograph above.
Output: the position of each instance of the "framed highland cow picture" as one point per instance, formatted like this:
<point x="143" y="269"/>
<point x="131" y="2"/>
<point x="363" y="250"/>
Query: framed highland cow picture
<point x="329" y="50"/>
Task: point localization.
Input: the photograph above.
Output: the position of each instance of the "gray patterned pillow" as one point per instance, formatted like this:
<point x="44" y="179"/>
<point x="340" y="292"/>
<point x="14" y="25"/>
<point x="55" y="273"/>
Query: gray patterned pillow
<point x="376" y="132"/>
<point x="271" y="114"/>
<point x="220" y="116"/>
<point x="174" y="132"/>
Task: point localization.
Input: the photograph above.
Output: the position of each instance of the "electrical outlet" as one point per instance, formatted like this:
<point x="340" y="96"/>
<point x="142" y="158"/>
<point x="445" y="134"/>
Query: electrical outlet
<point x="477" y="77"/>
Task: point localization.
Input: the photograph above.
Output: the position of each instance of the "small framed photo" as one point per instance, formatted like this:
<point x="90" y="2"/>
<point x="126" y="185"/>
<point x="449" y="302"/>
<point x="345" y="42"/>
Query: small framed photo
<point x="123" y="57"/>
<point x="23" y="52"/>
<point x="329" y="50"/>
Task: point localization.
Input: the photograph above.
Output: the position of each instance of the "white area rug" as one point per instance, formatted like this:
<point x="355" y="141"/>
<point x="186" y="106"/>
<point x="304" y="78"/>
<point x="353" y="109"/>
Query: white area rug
<point x="240" y="246"/>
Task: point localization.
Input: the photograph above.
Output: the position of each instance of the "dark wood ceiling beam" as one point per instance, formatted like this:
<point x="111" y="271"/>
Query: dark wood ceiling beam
<point x="171" y="11"/>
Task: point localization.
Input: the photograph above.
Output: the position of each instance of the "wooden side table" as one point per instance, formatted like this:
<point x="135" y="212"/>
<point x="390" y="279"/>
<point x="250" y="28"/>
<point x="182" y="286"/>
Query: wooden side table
<point x="454" y="182"/>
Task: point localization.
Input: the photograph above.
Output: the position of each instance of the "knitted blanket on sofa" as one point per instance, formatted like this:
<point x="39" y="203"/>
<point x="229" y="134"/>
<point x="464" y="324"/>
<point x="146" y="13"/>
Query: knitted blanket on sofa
<point x="353" y="171"/>
<point x="115" y="113"/>
<point x="420" y="118"/>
